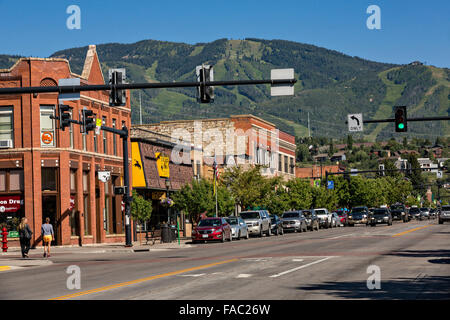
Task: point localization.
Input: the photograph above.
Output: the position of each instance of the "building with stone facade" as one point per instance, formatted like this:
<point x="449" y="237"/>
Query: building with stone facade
<point x="238" y="140"/>
<point x="46" y="172"/>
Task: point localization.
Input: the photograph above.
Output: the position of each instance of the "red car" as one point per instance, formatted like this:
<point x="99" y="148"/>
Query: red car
<point x="212" y="229"/>
<point x="343" y="216"/>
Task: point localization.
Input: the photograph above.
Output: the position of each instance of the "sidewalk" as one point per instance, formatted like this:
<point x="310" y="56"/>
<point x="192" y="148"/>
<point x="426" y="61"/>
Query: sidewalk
<point x="102" y="248"/>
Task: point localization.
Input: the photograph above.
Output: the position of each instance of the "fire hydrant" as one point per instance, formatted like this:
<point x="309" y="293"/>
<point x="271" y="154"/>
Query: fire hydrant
<point x="5" y="239"/>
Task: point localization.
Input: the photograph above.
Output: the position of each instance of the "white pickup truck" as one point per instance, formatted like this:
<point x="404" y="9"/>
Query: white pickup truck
<point x="324" y="218"/>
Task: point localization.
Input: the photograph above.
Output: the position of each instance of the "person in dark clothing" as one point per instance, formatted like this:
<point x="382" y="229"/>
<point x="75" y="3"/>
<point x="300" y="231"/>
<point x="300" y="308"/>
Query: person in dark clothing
<point x="25" y="234"/>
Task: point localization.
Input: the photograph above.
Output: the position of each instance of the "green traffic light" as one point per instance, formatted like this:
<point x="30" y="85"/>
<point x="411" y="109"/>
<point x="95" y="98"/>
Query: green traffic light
<point x="401" y="125"/>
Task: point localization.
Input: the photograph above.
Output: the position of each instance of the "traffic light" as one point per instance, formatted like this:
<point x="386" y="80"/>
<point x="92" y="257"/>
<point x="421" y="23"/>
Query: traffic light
<point x="205" y="94"/>
<point x="117" y="97"/>
<point x="401" y="122"/>
<point x="88" y="120"/>
<point x="64" y="116"/>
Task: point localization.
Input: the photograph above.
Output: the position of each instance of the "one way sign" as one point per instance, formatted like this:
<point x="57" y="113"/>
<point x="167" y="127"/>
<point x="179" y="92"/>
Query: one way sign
<point x="355" y="122"/>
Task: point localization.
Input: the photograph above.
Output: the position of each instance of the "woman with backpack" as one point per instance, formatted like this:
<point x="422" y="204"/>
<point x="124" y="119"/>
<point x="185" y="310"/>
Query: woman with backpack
<point x="25" y="234"/>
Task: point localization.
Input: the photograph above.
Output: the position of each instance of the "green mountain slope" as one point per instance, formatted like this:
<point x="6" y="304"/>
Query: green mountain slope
<point x="330" y="85"/>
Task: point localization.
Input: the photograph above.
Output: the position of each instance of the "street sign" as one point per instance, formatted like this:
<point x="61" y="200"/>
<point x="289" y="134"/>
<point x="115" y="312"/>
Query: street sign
<point x="355" y="122"/>
<point x="282" y="89"/>
<point x="330" y="184"/>
<point x="98" y="125"/>
<point x="69" y="96"/>
<point x="354" y="174"/>
<point x="439" y="175"/>
<point x="104" y="176"/>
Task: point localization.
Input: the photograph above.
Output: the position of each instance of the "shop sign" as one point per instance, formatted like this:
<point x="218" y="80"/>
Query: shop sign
<point x="10" y="204"/>
<point x="13" y="234"/>
<point x="162" y="162"/>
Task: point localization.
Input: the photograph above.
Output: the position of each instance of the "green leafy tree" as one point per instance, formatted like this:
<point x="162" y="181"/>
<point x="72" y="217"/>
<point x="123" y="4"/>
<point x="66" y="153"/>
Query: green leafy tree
<point x="298" y="194"/>
<point x="141" y="209"/>
<point x="246" y="186"/>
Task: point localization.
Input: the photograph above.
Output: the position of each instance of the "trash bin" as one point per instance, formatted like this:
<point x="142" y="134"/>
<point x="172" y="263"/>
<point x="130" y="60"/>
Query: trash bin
<point x="165" y="234"/>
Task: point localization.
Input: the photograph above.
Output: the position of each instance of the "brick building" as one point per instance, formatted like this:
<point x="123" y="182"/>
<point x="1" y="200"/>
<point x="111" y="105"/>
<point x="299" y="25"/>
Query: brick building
<point x="46" y="172"/>
<point x="155" y="184"/>
<point x="240" y="139"/>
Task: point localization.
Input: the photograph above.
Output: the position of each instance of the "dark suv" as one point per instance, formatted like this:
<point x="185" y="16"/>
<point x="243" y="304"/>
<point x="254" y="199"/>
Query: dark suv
<point x="358" y="215"/>
<point x="380" y="215"/>
<point x="398" y="212"/>
<point x="312" y="221"/>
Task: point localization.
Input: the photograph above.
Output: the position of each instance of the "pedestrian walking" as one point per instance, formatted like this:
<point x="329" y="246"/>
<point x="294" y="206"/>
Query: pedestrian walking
<point x="47" y="236"/>
<point x="25" y="234"/>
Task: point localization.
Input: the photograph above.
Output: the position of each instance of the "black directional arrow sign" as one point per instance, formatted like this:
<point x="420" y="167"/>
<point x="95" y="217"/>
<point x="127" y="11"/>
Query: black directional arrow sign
<point x="355" y="122"/>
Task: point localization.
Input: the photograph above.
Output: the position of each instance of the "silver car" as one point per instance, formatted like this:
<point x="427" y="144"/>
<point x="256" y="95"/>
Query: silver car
<point x="336" y="220"/>
<point x="258" y="222"/>
<point x="239" y="228"/>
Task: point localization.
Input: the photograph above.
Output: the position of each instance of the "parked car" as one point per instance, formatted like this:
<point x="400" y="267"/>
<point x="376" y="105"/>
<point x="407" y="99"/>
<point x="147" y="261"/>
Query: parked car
<point x="415" y="213"/>
<point x="294" y="221"/>
<point x="379" y="216"/>
<point x="336" y="220"/>
<point x="398" y="212"/>
<point x="239" y="228"/>
<point x="444" y="214"/>
<point x="433" y="213"/>
<point x="343" y="216"/>
<point x="358" y="215"/>
<point x="312" y="221"/>
<point x="276" y="224"/>
<point x="425" y="213"/>
<point x="324" y="217"/>
<point x="209" y="229"/>
<point x="258" y="222"/>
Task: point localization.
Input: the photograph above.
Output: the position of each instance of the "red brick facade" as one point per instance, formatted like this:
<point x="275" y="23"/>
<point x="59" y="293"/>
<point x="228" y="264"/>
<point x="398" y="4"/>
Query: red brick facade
<point x="40" y="156"/>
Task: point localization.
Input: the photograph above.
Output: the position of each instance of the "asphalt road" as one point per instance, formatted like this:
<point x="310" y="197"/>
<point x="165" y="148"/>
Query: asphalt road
<point x="413" y="259"/>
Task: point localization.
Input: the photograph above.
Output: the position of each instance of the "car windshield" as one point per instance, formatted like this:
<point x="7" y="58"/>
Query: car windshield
<point x="232" y="221"/>
<point x="307" y="214"/>
<point x="445" y="208"/>
<point x="379" y="211"/>
<point x="413" y="210"/>
<point x="291" y="215"/>
<point x="397" y="207"/>
<point x="358" y="210"/>
<point x="423" y="209"/>
<point x="250" y="215"/>
<point x="209" y="223"/>
<point x="320" y="212"/>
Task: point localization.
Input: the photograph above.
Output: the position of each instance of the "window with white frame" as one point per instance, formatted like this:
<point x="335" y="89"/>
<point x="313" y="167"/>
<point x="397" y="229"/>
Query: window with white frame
<point x="7" y="124"/>
<point x="47" y="126"/>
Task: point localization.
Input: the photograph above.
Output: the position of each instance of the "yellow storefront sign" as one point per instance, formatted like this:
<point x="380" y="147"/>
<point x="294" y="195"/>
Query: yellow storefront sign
<point x="162" y="162"/>
<point x="137" y="166"/>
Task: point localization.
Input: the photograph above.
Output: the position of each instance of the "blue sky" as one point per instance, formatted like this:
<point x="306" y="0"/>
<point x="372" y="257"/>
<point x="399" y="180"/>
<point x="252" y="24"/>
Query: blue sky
<point x="410" y="30"/>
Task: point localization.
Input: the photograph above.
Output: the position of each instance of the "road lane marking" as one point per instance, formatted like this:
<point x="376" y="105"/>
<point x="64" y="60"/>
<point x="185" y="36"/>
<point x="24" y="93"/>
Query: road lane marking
<point x="244" y="275"/>
<point x="5" y="268"/>
<point x="297" y="260"/>
<point x="408" y="231"/>
<point x="192" y="275"/>
<point x="298" y="268"/>
<point x="345" y="235"/>
<point x="123" y="284"/>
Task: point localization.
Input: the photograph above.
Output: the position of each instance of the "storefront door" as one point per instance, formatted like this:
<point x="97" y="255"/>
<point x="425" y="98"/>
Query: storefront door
<point x="50" y="210"/>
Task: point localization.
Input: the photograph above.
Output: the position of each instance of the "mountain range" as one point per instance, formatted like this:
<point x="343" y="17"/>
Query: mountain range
<point x="330" y="85"/>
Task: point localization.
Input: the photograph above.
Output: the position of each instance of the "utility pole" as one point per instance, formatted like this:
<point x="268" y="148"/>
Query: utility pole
<point x="140" y="108"/>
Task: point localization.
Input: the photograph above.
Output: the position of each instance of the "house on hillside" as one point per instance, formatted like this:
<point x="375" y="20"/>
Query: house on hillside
<point x="338" y="156"/>
<point x="427" y="164"/>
